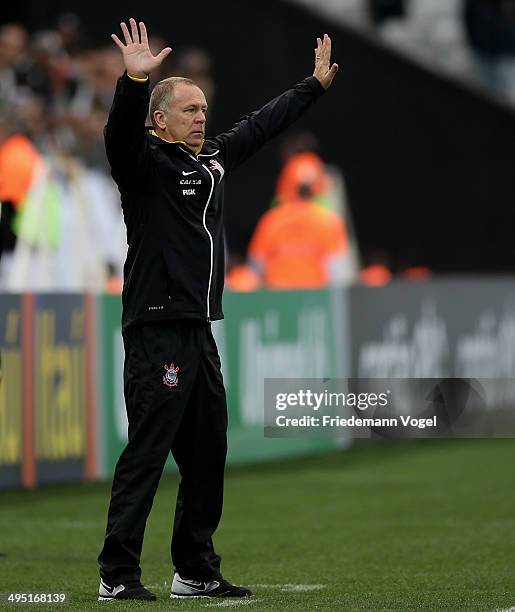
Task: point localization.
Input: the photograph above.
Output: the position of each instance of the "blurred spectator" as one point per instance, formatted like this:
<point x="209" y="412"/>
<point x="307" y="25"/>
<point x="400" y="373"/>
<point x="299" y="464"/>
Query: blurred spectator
<point x="375" y="275"/>
<point x="43" y="70"/>
<point x="68" y="27"/>
<point x="301" y="163"/>
<point x="417" y="273"/>
<point x="376" y="272"/>
<point x="168" y="66"/>
<point x="298" y="142"/>
<point x="490" y="26"/>
<point x="13" y="39"/>
<point x="34" y="121"/>
<point x="70" y="231"/>
<point x="382" y="10"/>
<point x="300" y="245"/>
<point x="304" y="167"/>
<point x="13" y="45"/>
<point x="20" y="165"/>
<point x="195" y="64"/>
<point x="88" y="142"/>
<point x="240" y="276"/>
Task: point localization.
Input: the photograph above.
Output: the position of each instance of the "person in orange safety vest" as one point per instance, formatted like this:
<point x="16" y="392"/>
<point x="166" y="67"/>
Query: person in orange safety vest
<point x="299" y="244"/>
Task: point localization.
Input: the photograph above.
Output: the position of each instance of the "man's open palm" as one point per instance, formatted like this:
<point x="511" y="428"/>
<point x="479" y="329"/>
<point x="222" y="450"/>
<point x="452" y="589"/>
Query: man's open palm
<point x="324" y="71"/>
<point x="137" y="57"/>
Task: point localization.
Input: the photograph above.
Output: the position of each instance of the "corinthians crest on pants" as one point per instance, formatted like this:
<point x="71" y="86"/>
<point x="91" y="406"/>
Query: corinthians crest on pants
<point x="171" y="379"/>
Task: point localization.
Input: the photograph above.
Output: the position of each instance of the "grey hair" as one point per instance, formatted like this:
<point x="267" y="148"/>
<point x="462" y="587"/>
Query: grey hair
<point x="162" y="94"/>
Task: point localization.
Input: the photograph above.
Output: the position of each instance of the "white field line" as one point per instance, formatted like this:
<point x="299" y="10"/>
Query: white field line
<point x="283" y="587"/>
<point x="161" y="585"/>
<point x="226" y="603"/>
<point x="292" y="587"/>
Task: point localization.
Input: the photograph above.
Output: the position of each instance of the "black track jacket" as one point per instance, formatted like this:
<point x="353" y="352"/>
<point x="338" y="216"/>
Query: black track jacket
<point x="172" y="202"/>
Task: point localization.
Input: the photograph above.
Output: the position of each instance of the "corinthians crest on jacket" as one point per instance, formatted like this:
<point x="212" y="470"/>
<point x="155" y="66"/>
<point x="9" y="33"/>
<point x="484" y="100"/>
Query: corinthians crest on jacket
<point x="171" y="379"/>
<point x="215" y="165"/>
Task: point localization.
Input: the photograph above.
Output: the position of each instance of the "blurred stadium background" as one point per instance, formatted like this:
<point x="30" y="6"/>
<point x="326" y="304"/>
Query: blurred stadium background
<point x="411" y="154"/>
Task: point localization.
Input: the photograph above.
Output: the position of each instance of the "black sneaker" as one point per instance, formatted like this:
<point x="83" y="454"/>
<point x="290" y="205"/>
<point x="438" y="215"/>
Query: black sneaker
<point x="218" y="587"/>
<point x="128" y="590"/>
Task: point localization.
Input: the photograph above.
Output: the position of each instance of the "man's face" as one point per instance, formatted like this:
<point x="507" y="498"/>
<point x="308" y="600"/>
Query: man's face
<point x="186" y="118"/>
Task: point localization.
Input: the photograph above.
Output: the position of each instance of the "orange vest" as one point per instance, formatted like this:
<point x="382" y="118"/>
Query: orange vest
<point x="293" y="243"/>
<point x="375" y="275"/>
<point x="242" y="278"/>
<point x="20" y="164"/>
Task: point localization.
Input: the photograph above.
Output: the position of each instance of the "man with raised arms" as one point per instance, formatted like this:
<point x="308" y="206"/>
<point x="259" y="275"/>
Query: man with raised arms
<point x="171" y="180"/>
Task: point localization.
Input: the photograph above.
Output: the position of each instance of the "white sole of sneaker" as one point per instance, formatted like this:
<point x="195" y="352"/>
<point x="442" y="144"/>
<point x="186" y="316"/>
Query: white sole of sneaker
<point x="173" y="596"/>
<point x="100" y="598"/>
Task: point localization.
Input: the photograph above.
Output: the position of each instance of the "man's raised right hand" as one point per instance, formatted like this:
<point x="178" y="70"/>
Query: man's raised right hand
<point x="137" y="57"/>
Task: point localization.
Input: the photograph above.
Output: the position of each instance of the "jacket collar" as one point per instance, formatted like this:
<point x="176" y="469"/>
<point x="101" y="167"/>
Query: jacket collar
<point x="162" y="140"/>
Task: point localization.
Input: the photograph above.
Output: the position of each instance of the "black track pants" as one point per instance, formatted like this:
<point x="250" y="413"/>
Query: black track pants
<point x="175" y="402"/>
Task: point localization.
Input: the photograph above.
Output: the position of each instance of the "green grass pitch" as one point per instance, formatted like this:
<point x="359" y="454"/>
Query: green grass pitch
<point x="426" y="525"/>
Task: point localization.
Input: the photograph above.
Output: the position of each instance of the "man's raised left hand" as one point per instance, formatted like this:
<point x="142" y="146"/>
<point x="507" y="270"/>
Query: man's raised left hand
<point x="324" y="70"/>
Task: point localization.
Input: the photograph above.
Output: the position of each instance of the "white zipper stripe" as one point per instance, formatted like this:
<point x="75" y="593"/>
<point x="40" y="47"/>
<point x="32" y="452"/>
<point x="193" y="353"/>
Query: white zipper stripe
<point x="209" y="154"/>
<point x="210" y="239"/>
<point x="192" y="156"/>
